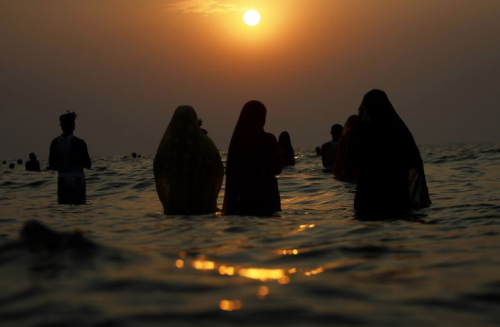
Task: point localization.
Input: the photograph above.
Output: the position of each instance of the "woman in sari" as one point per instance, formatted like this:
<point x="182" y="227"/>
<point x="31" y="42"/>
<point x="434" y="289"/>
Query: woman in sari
<point x="253" y="161"/>
<point x="391" y="172"/>
<point x="346" y="165"/>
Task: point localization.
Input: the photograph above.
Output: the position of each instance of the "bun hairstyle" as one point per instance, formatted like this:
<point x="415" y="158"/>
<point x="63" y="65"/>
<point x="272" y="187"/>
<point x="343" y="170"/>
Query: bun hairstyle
<point x="68" y="117"/>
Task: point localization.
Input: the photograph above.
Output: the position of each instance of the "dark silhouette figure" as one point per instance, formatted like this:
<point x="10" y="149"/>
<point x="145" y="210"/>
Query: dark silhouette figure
<point x="200" y="122"/>
<point x="188" y="168"/>
<point x="4" y="162"/>
<point x="286" y="145"/>
<point x="134" y="155"/>
<point x="20" y="161"/>
<point x="329" y="149"/>
<point x="11" y="166"/>
<point x="391" y="172"/>
<point x="346" y="162"/>
<point x="253" y="161"/>
<point x="32" y="164"/>
<point x="69" y="156"/>
<point x="318" y="151"/>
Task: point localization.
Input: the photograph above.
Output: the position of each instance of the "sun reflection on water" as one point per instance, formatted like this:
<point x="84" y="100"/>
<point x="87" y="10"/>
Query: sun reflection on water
<point x="282" y="276"/>
<point x="229" y="305"/>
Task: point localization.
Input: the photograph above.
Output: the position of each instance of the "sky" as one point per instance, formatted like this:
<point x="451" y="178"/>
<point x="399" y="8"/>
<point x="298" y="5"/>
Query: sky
<point x="124" y="66"/>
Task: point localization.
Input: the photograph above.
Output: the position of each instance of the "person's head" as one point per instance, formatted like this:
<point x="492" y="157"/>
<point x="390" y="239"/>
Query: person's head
<point x="67" y="122"/>
<point x="134" y="155"/>
<point x="11" y="166"/>
<point x="32" y="156"/>
<point x="20" y="161"/>
<point x="336" y="132"/>
<point x="318" y="150"/>
<point x="4" y="162"/>
<point x="284" y="138"/>
<point x="376" y="107"/>
<point x="253" y="115"/>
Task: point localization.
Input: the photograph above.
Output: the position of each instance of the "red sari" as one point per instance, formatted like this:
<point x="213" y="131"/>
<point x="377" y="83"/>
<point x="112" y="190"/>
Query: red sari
<point x="253" y="161"/>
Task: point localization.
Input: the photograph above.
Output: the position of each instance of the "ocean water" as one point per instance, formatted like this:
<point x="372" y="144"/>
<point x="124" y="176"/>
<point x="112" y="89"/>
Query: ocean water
<point x="313" y="264"/>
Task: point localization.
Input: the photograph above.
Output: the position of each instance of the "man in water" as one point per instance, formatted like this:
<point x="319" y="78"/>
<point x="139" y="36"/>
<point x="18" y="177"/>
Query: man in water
<point x="69" y="155"/>
<point x="329" y="149"/>
<point x="32" y="164"/>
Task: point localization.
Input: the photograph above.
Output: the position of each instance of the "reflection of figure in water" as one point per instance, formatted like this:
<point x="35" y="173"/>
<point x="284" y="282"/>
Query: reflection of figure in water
<point x="188" y="168"/>
<point x="346" y="163"/>
<point x="253" y="161"/>
<point x="318" y="151"/>
<point x="69" y="155"/>
<point x="329" y="149"/>
<point x="391" y="172"/>
<point x="32" y="164"/>
<point x="286" y="145"/>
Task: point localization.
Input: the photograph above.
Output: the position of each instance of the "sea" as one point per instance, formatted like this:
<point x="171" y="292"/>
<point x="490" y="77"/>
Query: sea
<point x="314" y="264"/>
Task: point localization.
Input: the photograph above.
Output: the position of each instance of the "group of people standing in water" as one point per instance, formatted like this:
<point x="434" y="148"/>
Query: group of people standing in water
<point x="374" y="149"/>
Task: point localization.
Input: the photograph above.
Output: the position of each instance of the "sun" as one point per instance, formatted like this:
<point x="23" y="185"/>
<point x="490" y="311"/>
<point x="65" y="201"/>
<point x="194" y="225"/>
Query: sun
<point x="251" y="17"/>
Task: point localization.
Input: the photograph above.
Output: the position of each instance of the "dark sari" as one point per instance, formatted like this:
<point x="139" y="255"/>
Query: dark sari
<point x="391" y="172"/>
<point x="253" y="161"/>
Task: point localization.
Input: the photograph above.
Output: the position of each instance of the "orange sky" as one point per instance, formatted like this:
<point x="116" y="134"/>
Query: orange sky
<point x="125" y="65"/>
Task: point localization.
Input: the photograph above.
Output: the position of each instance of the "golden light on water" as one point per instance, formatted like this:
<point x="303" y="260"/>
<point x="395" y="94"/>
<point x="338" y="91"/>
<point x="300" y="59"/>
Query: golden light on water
<point x="262" y="274"/>
<point x="307" y="226"/>
<point x="314" y="272"/>
<point x="282" y="276"/>
<point x="288" y="252"/>
<point x="228" y="305"/>
<point x="203" y="265"/>
<point x="251" y="17"/>
<point x="229" y="271"/>
<point x="263" y="291"/>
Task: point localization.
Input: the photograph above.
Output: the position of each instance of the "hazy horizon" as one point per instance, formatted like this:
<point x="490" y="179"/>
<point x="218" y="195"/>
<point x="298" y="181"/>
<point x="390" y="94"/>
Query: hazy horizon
<point x="124" y="66"/>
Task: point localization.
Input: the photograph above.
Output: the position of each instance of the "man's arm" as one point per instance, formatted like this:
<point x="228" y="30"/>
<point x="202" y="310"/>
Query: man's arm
<point x="81" y="147"/>
<point x="53" y="163"/>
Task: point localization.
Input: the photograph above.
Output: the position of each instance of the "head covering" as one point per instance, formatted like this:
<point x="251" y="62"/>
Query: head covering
<point x="250" y="124"/>
<point x="345" y="165"/>
<point x="252" y="163"/>
<point x="187" y="167"/>
<point x="391" y="175"/>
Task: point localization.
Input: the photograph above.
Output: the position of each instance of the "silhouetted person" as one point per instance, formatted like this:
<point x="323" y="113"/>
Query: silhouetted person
<point x="200" y="122"/>
<point x="346" y="162"/>
<point x="253" y="161"/>
<point x="318" y="151"/>
<point x="32" y="164"/>
<point x="20" y="161"/>
<point x="4" y="162"/>
<point x="391" y="172"/>
<point x="188" y="168"/>
<point x="329" y="149"/>
<point x="11" y="166"/>
<point x="286" y="145"/>
<point x="69" y="156"/>
<point x="134" y="155"/>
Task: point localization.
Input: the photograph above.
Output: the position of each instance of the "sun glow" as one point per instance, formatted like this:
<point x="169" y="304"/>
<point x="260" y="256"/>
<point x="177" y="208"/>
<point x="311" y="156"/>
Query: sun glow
<point x="251" y="17"/>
